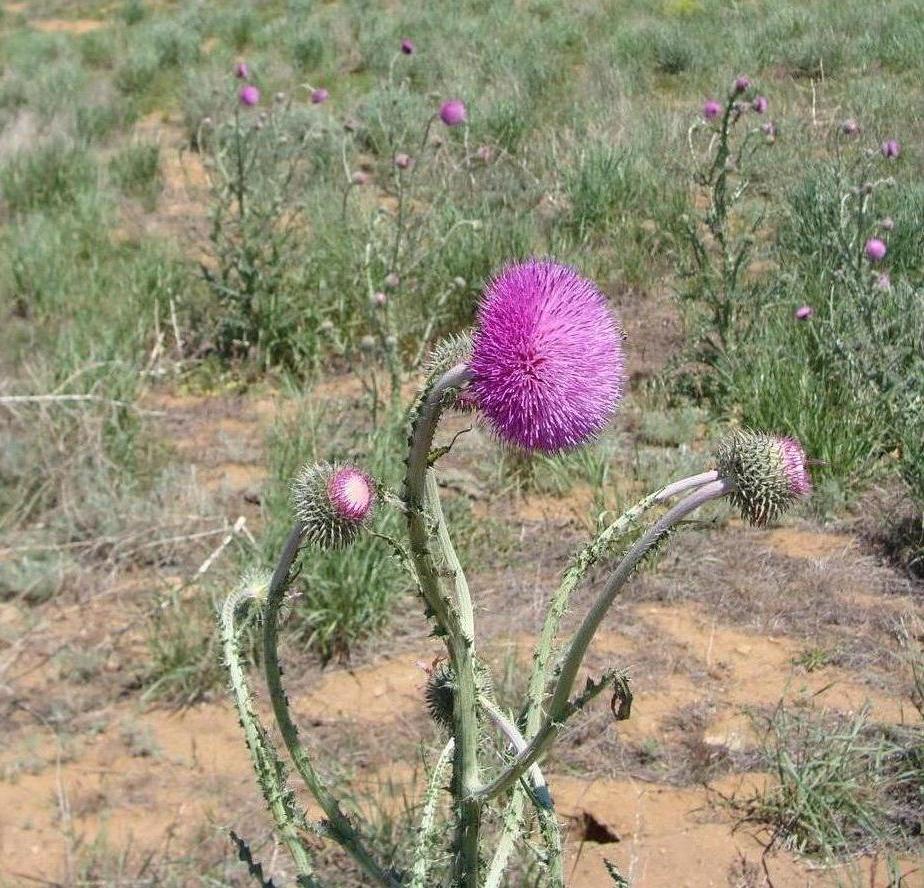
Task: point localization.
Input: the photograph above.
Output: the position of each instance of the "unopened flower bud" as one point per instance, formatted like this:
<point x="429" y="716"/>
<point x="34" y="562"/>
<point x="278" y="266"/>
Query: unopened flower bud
<point x="367" y="343"/>
<point x="392" y="281"/>
<point x="333" y="503"/>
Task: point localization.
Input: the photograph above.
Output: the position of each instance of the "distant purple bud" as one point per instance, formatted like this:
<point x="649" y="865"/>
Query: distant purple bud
<point x="742" y="84"/>
<point x="804" y="312"/>
<point x="453" y="112"/>
<point x="711" y="109"/>
<point x="359" y="178"/>
<point x="403" y="161"/>
<point x="319" y="96"/>
<point x="760" y="104"/>
<point x="875" y="249"/>
<point x="407" y="46"/>
<point x="850" y="127"/>
<point x="242" y="71"/>
<point x="891" y="149"/>
<point x="249" y="95"/>
<point x="547" y="362"/>
<point x="379" y="299"/>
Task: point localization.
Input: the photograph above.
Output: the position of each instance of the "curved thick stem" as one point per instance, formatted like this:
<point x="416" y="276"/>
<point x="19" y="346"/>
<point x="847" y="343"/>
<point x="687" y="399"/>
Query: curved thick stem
<point x="262" y="754"/>
<point x="560" y="707"/>
<point x="422" y="505"/>
<point x="341" y="829"/>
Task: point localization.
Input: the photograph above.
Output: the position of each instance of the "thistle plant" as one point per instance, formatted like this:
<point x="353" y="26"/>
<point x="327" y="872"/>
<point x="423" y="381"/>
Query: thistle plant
<point x="545" y="370"/>
<point x="724" y="142"/>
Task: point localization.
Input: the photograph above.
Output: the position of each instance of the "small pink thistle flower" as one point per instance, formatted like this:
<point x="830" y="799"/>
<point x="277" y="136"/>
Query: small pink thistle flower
<point x="485" y="153"/>
<point x="883" y="282"/>
<point x="850" y="127"/>
<point x="249" y="95"/>
<point x="887" y="224"/>
<point x="760" y="104"/>
<point x="379" y="299"/>
<point x="407" y="46"/>
<point x="742" y="84"/>
<point x="242" y="71"/>
<point x="711" y="109"/>
<point x="875" y="249"/>
<point x="891" y="149"/>
<point x="453" y="112"/>
<point x="359" y="178"/>
<point x="547" y="362"/>
<point x="319" y="96"/>
<point x="351" y="494"/>
<point x="403" y="161"/>
<point x="804" y="312"/>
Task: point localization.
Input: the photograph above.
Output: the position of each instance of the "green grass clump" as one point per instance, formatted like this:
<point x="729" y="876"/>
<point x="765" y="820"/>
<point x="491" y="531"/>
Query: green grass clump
<point x="49" y="176"/>
<point x="136" y="170"/>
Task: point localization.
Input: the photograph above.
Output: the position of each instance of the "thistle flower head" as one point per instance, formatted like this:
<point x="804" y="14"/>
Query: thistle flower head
<point x="333" y="503"/>
<point x="711" y="109"/>
<point x="883" y="282"/>
<point x="760" y="104"/>
<point x="891" y="149"/>
<point x="804" y="312"/>
<point x="249" y="95"/>
<point x="850" y="127"/>
<point x="359" y="177"/>
<point x="742" y="84"/>
<point x="440" y="690"/>
<point x="392" y="281"/>
<point x="887" y="224"/>
<point x="769" y="473"/>
<point x="319" y="96"/>
<point x="407" y="46"/>
<point x="403" y="161"/>
<point x="242" y="70"/>
<point x="547" y="362"/>
<point x="875" y="249"/>
<point x="453" y="112"/>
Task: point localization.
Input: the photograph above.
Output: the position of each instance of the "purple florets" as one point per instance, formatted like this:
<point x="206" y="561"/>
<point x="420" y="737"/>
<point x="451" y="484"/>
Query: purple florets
<point x="794" y="467"/>
<point x="711" y="109"/>
<point x="547" y="362"/>
<point x="760" y="104"/>
<point x="351" y="493"/>
<point x="891" y="149"/>
<point x="407" y="46"/>
<point x="249" y="95"/>
<point x="875" y="249"/>
<point x="242" y="70"/>
<point x="319" y="96"/>
<point x="804" y="312"/>
<point x="403" y="161"/>
<point x="453" y="112"/>
<point x="742" y="84"/>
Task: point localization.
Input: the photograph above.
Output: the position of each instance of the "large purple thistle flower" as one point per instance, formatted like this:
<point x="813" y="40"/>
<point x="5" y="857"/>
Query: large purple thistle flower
<point x="547" y="363"/>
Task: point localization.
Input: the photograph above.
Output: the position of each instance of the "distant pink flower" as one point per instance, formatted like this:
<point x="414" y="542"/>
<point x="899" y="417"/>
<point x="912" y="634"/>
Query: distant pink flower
<point x="711" y="109"/>
<point x="875" y="249"/>
<point x="407" y="46"/>
<point x="249" y="95"/>
<point x="485" y="153"/>
<point x="768" y="129"/>
<point x="760" y="104"/>
<point x="453" y="112"/>
<point x="850" y="127"/>
<point x="742" y="84"/>
<point x="359" y="178"/>
<point x="403" y="161"/>
<point x="547" y="362"/>
<point x="887" y="224"/>
<point x="891" y="149"/>
<point x="392" y="281"/>
<point x="319" y="96"/>
<point x="351" y="493"/>
<point x="883" y="282"/>
<point x="242" y="70"/>
<point x="804" y="312"/>
<point x="379" y="299"/>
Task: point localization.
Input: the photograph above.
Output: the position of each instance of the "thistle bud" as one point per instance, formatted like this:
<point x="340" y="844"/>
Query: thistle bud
<point x="333" y="503"/>
<point x="769" y="473"/>
<point x="440" y="690"/>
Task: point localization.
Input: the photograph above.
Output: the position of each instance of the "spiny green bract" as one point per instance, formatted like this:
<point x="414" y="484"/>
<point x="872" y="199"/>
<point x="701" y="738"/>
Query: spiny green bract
<point x="441" y="687"/>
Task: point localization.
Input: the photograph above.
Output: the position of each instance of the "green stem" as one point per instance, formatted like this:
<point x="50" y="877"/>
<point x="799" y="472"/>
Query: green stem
<point x="421" y="500"/>
<point x="425" y="832"/>
<point x="268" y="768"/>
<point x="561" y="707"/>
<point x="341" y="829"/>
